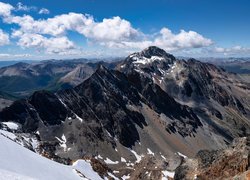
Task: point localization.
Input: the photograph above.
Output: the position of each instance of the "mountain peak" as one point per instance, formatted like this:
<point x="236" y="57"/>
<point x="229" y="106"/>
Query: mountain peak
<point x="151" y="56"/>
<point x="101" y="69"/>
<point x="102" y="73"/>
<point x="155" y="51"/>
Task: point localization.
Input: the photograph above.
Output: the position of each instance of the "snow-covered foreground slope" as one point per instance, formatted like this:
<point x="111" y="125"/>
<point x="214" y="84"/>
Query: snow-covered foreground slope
<point x="17" y="162"/>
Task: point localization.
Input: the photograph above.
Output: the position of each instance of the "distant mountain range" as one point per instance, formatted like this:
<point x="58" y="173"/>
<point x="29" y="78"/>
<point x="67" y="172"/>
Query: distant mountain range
<point x="137" y="117"/>
<point x="21" y="79"/>
<point x="234" y="65"/>
<point x="9" y="63"/>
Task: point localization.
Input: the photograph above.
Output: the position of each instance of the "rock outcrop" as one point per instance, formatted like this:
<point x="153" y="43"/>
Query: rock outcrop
<point x="218" y="164"/>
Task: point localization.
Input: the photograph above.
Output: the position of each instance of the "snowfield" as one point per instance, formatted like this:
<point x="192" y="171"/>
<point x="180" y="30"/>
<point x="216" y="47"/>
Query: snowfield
<point x="19" y="163"/>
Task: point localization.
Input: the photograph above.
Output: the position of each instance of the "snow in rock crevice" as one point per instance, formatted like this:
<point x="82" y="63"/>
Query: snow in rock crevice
<point x="109" y="161"/>
<point x="137" y="156"/>
<point x="150" y="152"/>
<point x="63" y="142"/>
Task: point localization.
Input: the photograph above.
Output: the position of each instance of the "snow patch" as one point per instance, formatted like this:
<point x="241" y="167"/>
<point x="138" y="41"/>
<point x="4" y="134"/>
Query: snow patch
<point x="139" y="71"/>
<point x="62" y="102"/>
<point x="144" y="60"/>
<point x="108" y="134"/>
<point x="99" y="156"/>
<point x="162" y="72"/>
<point x="77" y="117"/>
<point x="130" y="164"/>
<point x="111" y="175"/>
<point x="150" y="152"/>
<point x="182" y="155"/>
<point x="123" y="66"/>
<point x="123" y="159"/>
<point x="62" y="142"/>
<point x="163" y="157"/>
<point x="167" y="174"/>
<point x="11" y="125"/>
<point x="8" y="134"/>
<point x="86" y="169"/>
<point x="124" y="177"/>
<point x="109" y="161"/>
<point x="138" y="157"/>
<point x="64" y="138"/>
<point x="21" y="140"/>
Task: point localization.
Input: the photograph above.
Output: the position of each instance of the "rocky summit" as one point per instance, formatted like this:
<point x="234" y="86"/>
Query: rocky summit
<point x="149" y="116"/>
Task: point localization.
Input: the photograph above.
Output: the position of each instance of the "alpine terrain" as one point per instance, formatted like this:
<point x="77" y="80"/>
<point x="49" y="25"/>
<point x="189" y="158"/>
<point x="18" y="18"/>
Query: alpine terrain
<point x="149" y="116"/>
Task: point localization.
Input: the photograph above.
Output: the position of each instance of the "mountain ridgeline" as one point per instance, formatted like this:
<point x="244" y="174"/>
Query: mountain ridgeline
<point x="149" y="103"/>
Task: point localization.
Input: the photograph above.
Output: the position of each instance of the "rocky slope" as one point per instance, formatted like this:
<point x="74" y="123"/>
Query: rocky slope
<point x="217" y="96"/>
<point x="6" y="100"/>
<point x="228" y="163"/>
<point x="139" y="116"/>
<point x="77" y="75"/>
<point x="106" y="107"/>
<point x="82" y="72"/>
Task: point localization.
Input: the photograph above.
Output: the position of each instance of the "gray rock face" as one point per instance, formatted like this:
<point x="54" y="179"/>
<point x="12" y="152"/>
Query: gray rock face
<point x="107" y="94"/>
<point x="211" y="92"/>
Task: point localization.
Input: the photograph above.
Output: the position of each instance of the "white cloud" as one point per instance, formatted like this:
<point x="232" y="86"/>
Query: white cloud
<point x="55" y="26"/>
<point x="5" y="9"/>
<point x="166" y="40"/>
<point x="47" y="34"/>
<point x="52" y="45"/>
<point x="21" y="7"/>
<point x="43" y="11"/>
<point x="232" y="50"/>
<point x="110" y="30"/>
<point x="4" y="38"/>
<point x="182" y="40"/>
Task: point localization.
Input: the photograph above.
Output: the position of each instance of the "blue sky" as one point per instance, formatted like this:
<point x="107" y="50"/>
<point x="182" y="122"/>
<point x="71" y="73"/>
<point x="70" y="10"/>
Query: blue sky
<point x="44" y="29"/>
